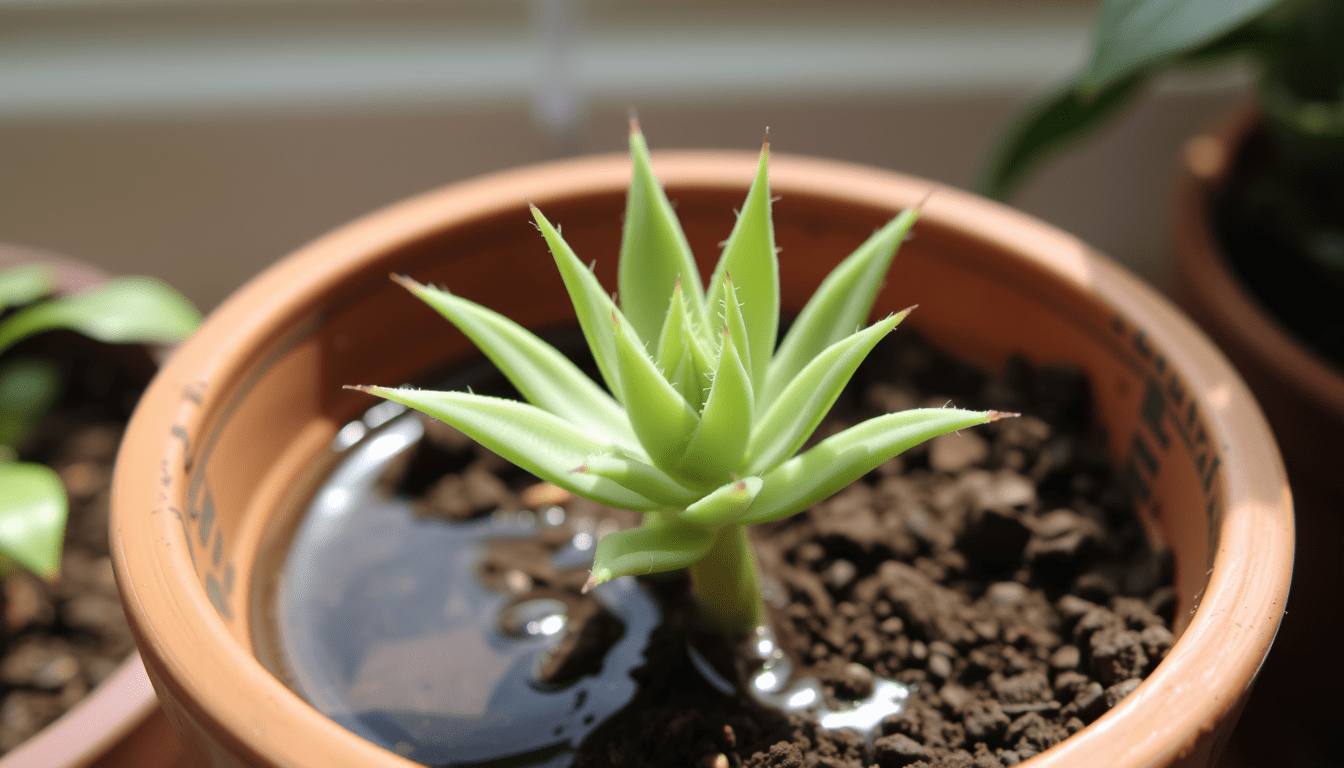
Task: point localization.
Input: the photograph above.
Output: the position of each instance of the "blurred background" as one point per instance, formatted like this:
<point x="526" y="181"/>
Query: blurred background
<point x="200" y="141"/>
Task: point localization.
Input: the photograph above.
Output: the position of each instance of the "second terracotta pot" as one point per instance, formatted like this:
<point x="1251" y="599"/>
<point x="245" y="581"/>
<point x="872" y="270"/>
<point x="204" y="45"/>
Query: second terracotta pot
<point x="231" y="429"/>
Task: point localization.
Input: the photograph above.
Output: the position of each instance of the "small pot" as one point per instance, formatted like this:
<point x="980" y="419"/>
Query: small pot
<point x="226" y="439"/>
<point x="1303" y="398"/>
<point x="118" y="723"/>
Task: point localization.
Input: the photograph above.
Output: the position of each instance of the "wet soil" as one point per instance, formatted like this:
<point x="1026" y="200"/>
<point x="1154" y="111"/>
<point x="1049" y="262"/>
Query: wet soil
<point x="999" y="572"/>
<point x="59" y="640"/>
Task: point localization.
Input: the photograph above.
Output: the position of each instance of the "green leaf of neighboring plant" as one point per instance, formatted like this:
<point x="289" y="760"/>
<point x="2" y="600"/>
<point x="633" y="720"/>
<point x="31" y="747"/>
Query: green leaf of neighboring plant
<point x="27" y="390"/>
<point x="725" y="505"/>
<point x="720" y="440"/>
<point x="644" y="479"/>
<point x="1048" y="125"/>
<point x="543" y="444"/>
<point x="800" y="408"/>
<point x="123" y="310"/>
<point x="654" y="251"/>
<point x="32" y="516"/>
<point x="839" y="307"/>
<point x="750" y="255"/>
<point x="25" y="283"/>
<point x="540" y="372"/>
<point x="1133" y="35"/>
<point x="841" y="459"/>
<point x="592" y="304"/>
<point x="662" y="543"/>
<point x="662" y="419"/>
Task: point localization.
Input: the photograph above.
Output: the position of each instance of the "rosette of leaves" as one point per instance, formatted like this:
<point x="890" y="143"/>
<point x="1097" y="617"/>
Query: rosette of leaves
<point x="124" y="310"/>
<point x="702" y="416"/>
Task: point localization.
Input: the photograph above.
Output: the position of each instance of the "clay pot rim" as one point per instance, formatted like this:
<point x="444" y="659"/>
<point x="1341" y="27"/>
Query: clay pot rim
<point x="1198" y="175"/>
<point x="118" y="704"/>
<point x="1158" y="722"/>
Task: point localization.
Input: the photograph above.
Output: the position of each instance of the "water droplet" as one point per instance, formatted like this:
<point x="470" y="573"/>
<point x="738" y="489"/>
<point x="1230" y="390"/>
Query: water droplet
<point x="542" y="617"/>
<point x="554" y="515"/>
<point x="517" y="582"/>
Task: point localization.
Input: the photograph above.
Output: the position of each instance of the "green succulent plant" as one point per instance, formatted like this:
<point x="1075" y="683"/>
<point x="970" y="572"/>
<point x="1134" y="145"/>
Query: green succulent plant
<point x="705" y="415"/>
<point x="125" y="310"/>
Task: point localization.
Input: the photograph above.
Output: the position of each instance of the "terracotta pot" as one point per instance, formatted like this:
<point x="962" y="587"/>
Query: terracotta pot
<point x="119" y="723"/>
<point x="1303" y="398"/>
<point x="228" y="433"/>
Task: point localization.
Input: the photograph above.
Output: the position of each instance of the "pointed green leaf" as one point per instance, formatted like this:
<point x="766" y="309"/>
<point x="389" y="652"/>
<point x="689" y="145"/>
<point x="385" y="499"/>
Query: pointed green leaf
<point x="674" y="355"/>
<point x="749" y="255"/>
<point x="730" y="317"/>
<point x="804" y="403"/>
<point x="725" y="505"/>
<point x="1133" y="35"/>
<point x="121" y="311"/>
<point x="1047" y="125"/>
<point x="654" y="251"/>
<point x="662" y="543"/>
<point x="540" y="372"/>
<point x="841" y="459"/>
<point x="592" y="304"/>
<point x="646" y="480"/>
<point x="662" y="419"/>
<point x="539" y="442"/>
<point x="33" y="509"/>
<point x="27" y="390"/>
<point x="717" y="447"/>
<point x="25" y="283"/>
<point x="703" y="363"/>
<point x="839" y="307"/>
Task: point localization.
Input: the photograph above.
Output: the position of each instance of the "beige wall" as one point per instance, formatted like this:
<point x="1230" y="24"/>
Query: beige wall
<point x="205" y="198"/>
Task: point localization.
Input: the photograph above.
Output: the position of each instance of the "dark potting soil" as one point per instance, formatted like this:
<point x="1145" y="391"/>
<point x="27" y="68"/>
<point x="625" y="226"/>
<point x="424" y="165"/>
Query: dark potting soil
<point x="60" y="639"/>
<point x="1281" y="224"/>
<point x="999" y="572"/>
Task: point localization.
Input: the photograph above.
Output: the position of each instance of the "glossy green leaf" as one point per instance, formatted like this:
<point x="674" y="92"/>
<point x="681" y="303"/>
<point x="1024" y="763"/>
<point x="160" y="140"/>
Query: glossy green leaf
<point x="123" y="310"/>
<point x="839" y="307"/>
<point x="25" y="283"/>
<point x="841" y="459"/>
<point x="726" y="505"/>
<point x="749" y="255"/>
<point x="33" y="509"/>
<point x="662" y="543"/>
<point x="539" y="371"/>
<point x="644" y="479"/>
<point x="1046" y="126"/>
<point x="793" y="417"/>
<point x="592" y="304"/>
<point x="654" y="251"/>
<point x="539" y="442"/>
<point x="27" y="390"/>
<point x="661" y="418"/>
<point x="720" y="441"/>
<point x="1133" y="35"/>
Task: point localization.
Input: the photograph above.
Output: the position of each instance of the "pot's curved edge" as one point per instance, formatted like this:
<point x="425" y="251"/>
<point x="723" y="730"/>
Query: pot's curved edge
<point x="1205" y="286"/>
<point x="319" y="264"/>
<point x="122" y="702"/>
<point x="90" y="729"/>
<point x="1260" y="503"/>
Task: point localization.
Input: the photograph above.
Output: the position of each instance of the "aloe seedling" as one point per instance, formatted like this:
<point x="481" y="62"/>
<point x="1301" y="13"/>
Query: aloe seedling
<point x="33" y="506"/>
<point x="702" y="416"/>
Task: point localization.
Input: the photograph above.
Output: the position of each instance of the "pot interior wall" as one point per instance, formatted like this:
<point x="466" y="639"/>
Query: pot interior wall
<point x="970" y="300"/>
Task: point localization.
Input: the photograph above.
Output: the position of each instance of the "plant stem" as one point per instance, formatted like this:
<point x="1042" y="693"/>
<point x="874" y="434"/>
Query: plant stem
<point x="727" y="583"/>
